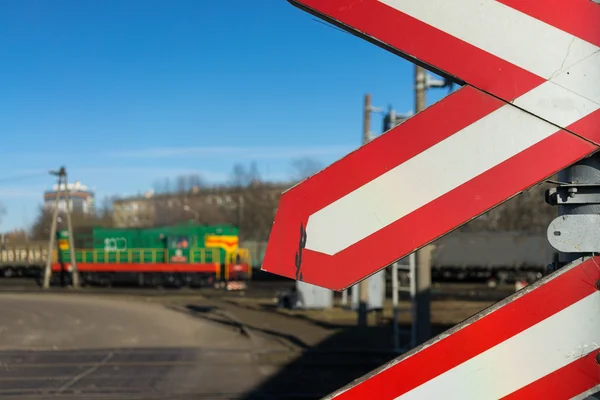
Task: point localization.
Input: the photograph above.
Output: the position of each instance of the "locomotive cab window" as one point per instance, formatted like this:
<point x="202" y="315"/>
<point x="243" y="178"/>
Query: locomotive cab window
<point x="179" y="242"/>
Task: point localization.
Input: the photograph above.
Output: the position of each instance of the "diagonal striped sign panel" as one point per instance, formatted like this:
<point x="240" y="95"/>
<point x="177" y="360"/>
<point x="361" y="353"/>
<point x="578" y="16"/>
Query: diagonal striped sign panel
<point x="541" y="343"/>
<point x="541" y="56"/>
<point x="529" y="108"/>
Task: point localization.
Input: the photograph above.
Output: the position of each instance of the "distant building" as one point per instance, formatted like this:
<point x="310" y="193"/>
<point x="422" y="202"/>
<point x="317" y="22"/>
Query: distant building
<point x="81" y="199"/>
<point x="135" y="212"/>
<point x="153" y="209"/>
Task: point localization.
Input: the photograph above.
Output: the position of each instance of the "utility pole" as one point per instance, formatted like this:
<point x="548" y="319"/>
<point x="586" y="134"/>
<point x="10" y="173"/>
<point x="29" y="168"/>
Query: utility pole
<point x="62" y="179"/>
<point x="422" y="304"/>
<point x="48" y="270"/>
<point x="367" y="108"/>
<point x="74" y="270"/>
<point x="363" y="286"/>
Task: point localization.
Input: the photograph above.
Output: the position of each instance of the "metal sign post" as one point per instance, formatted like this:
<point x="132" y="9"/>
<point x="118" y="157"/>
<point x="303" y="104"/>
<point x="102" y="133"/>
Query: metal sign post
<point x="575" y="232"/>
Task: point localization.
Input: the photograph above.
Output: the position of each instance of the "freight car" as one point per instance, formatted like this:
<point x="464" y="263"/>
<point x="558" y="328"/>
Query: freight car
<point x="475" y="256"/>
<point x="492" y="256"/>
<point x="180" y="255"/>
<point x="22" y="260"/>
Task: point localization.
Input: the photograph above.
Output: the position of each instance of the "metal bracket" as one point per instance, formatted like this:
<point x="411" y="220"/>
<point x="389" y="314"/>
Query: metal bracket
<point x="575" y="233"/>
<point x="573" y="194"/>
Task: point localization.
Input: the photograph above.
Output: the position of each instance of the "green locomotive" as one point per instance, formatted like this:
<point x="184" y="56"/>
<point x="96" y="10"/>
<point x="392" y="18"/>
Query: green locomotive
<point x="182" y="254"/>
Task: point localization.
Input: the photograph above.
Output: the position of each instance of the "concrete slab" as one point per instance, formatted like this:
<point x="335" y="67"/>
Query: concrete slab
<point x="48" y="321"/>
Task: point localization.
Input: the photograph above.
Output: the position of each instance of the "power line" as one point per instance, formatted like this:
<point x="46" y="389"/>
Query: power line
<point x="23" y="177"/>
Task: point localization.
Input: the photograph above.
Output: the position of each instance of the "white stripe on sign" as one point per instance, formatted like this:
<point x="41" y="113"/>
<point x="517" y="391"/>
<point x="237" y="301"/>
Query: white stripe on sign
<point x="522" y="359"/>
<point x="500" y="30"/>
<point x="558" y="105"/>
<point x="436" y="171"/>
<point x="582" y="78"/>
<point x="569" y="62"/>
<point x="568" y="96"/>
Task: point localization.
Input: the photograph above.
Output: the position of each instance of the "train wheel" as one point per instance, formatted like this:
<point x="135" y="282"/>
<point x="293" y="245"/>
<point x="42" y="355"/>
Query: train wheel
<point x="104" y="280"/>
<point x="173" y="280"/>
<point x="153" y="280"/>
<point x="84" y="279"/>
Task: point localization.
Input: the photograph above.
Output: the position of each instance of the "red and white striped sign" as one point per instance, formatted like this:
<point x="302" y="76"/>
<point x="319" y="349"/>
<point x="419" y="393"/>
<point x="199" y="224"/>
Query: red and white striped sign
<point x="542" y="343"/>
<point x="529" y="109"/>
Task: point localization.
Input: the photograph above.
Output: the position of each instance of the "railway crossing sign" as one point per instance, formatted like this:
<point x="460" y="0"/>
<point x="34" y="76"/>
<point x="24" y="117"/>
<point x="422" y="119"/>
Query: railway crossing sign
<point x="541" y="343"/>
<point x="528" y="108"/>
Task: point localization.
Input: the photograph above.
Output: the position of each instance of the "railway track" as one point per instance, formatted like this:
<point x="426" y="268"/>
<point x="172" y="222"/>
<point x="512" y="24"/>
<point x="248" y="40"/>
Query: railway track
<point x="255" y="289"/>
<point x="133" y="374"/>
<point x="189" y="373"/>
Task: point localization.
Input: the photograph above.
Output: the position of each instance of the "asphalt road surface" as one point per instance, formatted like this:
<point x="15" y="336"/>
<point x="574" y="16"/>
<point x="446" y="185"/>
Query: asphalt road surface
<point x="89" y="347"/>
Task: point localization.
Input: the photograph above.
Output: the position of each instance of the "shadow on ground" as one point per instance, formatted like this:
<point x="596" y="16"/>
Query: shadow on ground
<point x="330" y="365"/>
<point x="318" y="370"/>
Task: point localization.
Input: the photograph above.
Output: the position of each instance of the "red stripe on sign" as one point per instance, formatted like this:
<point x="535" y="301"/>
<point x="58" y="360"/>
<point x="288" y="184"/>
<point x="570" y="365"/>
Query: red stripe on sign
<point x="421" y="226"/>
<point x="149" y="267"/>
<point x="430" y="45"/>
<point x="478" y="336"/>
<point x="565" y="383"/>
<point x="438" y="122"/>
<point x="577" y="17"/>
<point x="588" y="127"/>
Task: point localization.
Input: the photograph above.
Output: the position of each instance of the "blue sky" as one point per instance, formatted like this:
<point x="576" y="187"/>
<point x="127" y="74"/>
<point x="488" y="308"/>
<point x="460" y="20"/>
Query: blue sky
<point x="124" y="93"/>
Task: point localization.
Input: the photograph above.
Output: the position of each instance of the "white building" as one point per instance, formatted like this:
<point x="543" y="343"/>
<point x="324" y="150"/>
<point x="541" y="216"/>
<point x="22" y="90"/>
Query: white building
<point x="81" y="199"/>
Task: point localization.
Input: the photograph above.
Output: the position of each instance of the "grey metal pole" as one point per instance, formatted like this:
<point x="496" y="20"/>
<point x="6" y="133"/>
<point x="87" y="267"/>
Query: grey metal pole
<point x="345" y="298"/>
<point x="48" y="269"/>
<point x="422" y="275"/>
<point x="577" y="196"/>
<point x="412" y="270"/>
<point x="395" y="290"/>
<point x="363" y="285"/>
<point x="575" y="232"/>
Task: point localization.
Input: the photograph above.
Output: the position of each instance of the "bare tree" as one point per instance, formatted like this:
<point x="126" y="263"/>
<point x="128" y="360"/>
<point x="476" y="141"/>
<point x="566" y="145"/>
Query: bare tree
<point x="181" y="184"/>
<point x="104" y="214"/>
<point x="2" y="212"/>
<point x="196" y="181"/>
<point x="260" y="205"/>
<point x="238" y="176"/>
<point x="242" y="176"/>
<point x="162" y="186"/>
<point x="40" y="230"/>
<point x="16" y="237"/>
<point x="527" y="212"/>
<point x="187" y="202"/>
<point x="303" y="168"/>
